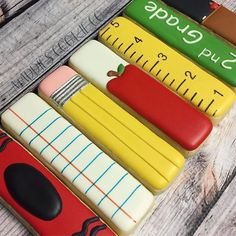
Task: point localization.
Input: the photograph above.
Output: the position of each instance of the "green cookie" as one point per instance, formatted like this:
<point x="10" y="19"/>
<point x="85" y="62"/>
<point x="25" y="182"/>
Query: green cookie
<point x="188" y="37"/>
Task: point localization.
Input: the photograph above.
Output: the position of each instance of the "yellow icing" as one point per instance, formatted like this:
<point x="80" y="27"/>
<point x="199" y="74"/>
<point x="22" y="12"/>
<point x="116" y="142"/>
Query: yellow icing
<point x="178" y="73"/>
<point x="147" y="156"/>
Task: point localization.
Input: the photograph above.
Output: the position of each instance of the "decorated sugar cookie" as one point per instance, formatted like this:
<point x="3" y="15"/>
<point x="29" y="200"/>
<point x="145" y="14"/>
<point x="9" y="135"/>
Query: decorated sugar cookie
<point x="188" y="37"/>
<point x="114" y="194"/>
<point x="135" y="88"/>
<point x="42" y="202"/>
<point x="112" y="128"/>
<point x="170" y="68"/>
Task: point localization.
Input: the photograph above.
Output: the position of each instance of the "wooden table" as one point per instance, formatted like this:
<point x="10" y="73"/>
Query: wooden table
<point x="38" y="36"/>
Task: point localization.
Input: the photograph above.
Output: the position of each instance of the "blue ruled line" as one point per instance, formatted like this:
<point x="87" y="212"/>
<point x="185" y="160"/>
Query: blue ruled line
<point x="34" y="121"/>
<point x="56" y="138"/>
<point x="112" y="188"/>
<point x="100" y="177"/>
<point x="76" y="157"/>
<point x="44" y="129"/>
<point x="126" y="200"/>
<point x="86" y="167"/>
<point x="73" y="140"/>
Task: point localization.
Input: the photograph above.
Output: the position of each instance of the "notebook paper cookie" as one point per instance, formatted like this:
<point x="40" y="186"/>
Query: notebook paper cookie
<point x="159" y="106"/>
<point x="186" y="36"/>
<point x="155" y="163"/>
<point x="169" y="67"/>
<point x="49" y="208"/>
<point x="102" y="184"/>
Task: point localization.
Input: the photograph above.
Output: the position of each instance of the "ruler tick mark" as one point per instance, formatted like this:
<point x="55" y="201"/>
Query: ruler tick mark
<point x="158" y="72"/>
<point x="154" y="66"/>
<point x="199" y="104"/>
<point x="108" y="37"/>
<point x="165" y="77"/>
<point x="139" y="58"/>
<point x="145" y="63"/>
<point x="172" y="82"/>
<point x="214" y="113"/>
<point x="115" y="41"/>
<point x="120" y="45"/>
<point x="180" y="85"/>
<point x="105" y="31"/>
<point x="127" y="49"/>
<point x="194" y="95"/>
<point x="185" y="91"/>
<point x="133" y="54"/>
<point x="212" y="101"/>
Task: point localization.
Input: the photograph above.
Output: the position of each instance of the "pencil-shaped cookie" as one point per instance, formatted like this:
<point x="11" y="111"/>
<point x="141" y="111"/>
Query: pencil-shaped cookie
<point x="188" y="37"/>
<point x="104" y="185"/>
<point x="174" y="117"/>
<point x="40" y="200"/>
<point x="148" y="157"/>
<point x="172" y="69"/>
<point x="212" y="15"/>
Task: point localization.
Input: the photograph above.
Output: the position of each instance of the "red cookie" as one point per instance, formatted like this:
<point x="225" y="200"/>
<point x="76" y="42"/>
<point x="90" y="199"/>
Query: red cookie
<point x="40" y="198"/>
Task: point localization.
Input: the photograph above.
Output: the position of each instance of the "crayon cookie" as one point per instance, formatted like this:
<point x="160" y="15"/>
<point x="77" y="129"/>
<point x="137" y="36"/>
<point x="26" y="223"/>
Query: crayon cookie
<point x="182" y="123"/>
<point x="155" y="163"/>
<point x="42" y="202"/>
<point x="179" y="74"/>
<point x="216" y="17"/>
<point x="102" y="184"/>
<point x="190" y="38"/>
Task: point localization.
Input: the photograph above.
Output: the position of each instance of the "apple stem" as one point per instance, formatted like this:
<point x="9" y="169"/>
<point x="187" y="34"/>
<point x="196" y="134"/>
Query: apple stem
<point x="112" y="73"/>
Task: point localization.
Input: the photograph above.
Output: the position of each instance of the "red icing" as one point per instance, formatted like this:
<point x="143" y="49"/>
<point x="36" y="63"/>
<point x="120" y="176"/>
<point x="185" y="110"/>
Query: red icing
<point x="183" y="123"/>
<point x="214" y="5"/>
<point x="73" y="213"/>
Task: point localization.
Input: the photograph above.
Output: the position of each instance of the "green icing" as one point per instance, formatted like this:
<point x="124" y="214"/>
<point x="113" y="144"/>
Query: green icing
<point x="121" y="69"/>
<point x="188" y="37"/>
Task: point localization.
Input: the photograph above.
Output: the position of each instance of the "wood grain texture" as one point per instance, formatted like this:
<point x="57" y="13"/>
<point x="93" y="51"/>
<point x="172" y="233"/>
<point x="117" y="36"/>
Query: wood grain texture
<point x="45" y="36"/>
<point x="221" y="220"/>
<point x="195" y="198"/>
<point x="13" y="8"/>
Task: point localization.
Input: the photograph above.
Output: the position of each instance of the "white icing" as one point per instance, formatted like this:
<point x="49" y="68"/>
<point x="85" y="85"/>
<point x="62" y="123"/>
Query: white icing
<point x="29" y="108"/>
<point x="94" y="61"/>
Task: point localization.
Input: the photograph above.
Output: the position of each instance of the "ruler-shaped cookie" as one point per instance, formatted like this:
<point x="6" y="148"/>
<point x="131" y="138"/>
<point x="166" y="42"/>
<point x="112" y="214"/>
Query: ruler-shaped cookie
<point x="169" y="67"/>
<point x="103" y="184"/>
<point x="216" y="17"/>
<point x="40" y="200"/>
<point x="203" y="47"/>
<point x="154" y="162"/>
<point x="182" y="123"/>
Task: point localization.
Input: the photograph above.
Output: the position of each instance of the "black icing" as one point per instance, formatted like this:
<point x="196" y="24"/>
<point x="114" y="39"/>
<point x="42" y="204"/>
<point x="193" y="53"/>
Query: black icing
<point x="33" y="191"/>
<point x="85" y="226"/>
<point x="196" y="9"/>
<point x="96" y="229"/>
<point x="3" y="144"/>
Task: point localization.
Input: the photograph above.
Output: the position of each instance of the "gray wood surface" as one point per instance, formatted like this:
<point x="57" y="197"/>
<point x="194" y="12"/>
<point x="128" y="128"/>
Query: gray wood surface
<point x="43" y="37"/>
<point x="197" y="200"/>
<point x="221" y="220"/>
<point x="12" y="8"/>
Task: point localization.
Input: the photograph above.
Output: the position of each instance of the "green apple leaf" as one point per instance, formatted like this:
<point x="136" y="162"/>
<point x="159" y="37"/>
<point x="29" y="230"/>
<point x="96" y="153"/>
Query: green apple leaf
<point x="121" y="69"/>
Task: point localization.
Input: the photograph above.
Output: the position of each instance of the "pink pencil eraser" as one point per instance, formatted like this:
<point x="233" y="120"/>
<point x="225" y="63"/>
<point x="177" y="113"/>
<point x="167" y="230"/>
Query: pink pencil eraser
<point x="56" y="80"/>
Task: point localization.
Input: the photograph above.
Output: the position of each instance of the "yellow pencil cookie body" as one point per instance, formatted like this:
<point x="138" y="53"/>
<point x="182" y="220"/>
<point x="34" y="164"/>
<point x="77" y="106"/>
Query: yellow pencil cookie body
<point x="145" y="155"/>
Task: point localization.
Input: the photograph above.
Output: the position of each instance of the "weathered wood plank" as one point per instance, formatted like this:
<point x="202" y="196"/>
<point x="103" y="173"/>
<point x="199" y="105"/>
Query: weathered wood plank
<point x="182" y="208"/>
<point x="13" y="8"/>
<point x="221" y="220"/>
<point x="9" y="225"/>
<point x="230" y="4"/>
<point x="44" y="36"/>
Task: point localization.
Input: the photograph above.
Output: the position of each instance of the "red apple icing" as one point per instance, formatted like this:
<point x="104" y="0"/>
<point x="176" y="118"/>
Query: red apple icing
<point x="181" y="122"/>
